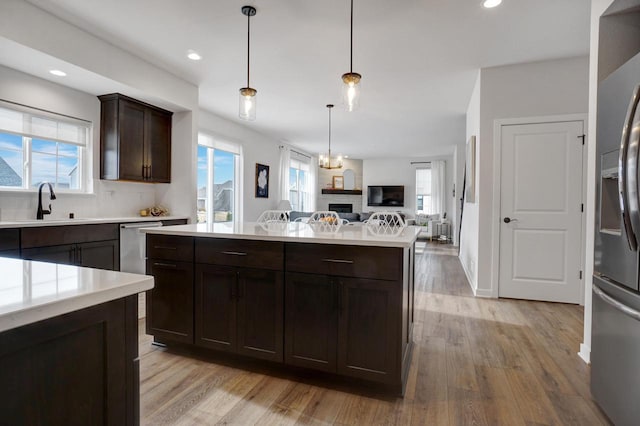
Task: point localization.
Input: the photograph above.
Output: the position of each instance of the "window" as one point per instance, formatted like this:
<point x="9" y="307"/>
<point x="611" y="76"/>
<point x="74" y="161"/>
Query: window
<point x="423" y="191"/>
<point x="218" y="181"/>
<point x="299" y="185"/>
<point x="37" y="146"/>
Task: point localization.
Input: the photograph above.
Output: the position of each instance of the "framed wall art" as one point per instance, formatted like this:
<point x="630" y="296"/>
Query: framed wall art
<point x="262" y="181"/>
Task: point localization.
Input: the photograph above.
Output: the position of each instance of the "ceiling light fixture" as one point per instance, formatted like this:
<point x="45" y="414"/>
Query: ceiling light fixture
<point x="248" y="94"/>
<point x="491" y="3"/>
<point x="324" y="162"/>
<point x="193" y="55"/>
<point x="351" y="80"/>
<point x="58" y="73"/>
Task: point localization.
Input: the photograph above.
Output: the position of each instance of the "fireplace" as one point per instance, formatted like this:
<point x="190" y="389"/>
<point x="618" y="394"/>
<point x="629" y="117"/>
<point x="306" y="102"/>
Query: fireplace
<point x="341" y="208"/>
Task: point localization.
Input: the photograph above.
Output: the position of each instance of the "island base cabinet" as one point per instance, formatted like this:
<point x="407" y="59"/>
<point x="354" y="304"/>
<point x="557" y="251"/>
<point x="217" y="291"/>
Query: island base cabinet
<point x="369" y="329"/>
<point x="311" y="311"/>
<point x="240" y="310"/>
<point x="170" y="303"/>
<point x="79" y="368"/>
<point x="348" y="326"/>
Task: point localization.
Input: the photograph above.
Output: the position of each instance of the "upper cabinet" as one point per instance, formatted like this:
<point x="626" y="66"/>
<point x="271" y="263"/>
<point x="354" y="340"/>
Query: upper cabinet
<point x="135" y="140"/>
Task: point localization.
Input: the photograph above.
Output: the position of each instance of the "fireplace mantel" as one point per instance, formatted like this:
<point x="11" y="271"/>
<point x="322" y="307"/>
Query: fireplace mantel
<point x="342" y="191"/>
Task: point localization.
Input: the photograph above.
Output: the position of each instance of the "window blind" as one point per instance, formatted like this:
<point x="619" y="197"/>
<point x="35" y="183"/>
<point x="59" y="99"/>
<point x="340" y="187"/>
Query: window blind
<point x="38" y="124"/>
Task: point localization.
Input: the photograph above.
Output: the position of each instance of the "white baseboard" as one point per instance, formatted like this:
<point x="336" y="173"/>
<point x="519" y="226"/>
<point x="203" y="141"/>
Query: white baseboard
<point x="483" y="292"/>
<point x="466" y="273"/>
<point x="585" y="353"/>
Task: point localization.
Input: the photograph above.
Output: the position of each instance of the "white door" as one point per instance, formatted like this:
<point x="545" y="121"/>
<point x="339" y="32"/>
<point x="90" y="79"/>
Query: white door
<point x="541" y="199"/>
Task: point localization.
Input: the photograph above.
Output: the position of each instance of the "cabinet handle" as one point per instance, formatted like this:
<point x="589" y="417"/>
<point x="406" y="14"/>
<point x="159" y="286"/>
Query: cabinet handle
<point x="72" y="255"/>
<point x="79" y="255"/>
<point x="165" y="248"/>
<point x="338" y="261"/>
<point x="234" y="253"/>
<point x="165" y="265"/>
<point x="149" y="171"/>
<point x="144" y="169"/>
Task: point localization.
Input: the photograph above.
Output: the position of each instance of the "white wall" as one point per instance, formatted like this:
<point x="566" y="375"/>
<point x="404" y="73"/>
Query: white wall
<point x="469" y="241"/>
<point x="110" y="198"/>
<point x="257" y="148"/>
<point x="534" y="89"/>
<point x="399" y="171"/>
<point x="325" y="180"/>
<point x="33" y="28"/>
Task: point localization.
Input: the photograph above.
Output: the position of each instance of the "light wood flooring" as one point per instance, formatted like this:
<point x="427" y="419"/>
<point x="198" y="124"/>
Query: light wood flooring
<point x="476" y="362"/>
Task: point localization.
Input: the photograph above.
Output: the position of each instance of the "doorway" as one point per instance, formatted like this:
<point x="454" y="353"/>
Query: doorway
<point x="541" y="211"/>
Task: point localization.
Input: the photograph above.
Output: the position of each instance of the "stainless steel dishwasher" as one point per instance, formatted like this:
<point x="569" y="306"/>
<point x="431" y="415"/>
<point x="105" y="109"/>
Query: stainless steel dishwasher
<point x="133" y="253"/>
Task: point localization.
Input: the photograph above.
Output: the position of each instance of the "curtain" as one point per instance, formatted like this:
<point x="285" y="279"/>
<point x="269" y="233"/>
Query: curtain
<point x="285" y="163"/>
<point x="438" y="187"/>
<point x="313" y="178"/>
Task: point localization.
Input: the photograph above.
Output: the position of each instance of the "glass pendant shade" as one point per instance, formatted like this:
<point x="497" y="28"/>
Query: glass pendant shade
<point x="248" y="99"/>
<point x="351" y="90"/>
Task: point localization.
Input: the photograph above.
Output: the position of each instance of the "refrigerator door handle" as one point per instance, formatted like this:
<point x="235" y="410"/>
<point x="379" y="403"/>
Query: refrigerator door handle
<point x="613" y="302"/>
<point x="622" y="170"/>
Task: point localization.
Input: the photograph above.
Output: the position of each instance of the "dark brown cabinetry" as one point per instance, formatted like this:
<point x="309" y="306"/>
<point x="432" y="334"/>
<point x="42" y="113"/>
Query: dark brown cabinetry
<point x="170" y="302"/>
<point x="94" y="246"/>
<point x="80" y="368"/>
<point x="239" y="297"/>
<point x="346" y="310"/>
<point x="135" y="140"/>
<point x="343" y="325"/>
<point x="9" y="243"/>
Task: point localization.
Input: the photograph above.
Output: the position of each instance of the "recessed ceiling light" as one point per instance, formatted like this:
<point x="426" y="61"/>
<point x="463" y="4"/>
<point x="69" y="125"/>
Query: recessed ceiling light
<point x="491" y="3"/>
<point x="346" y="156"/>
<point x="193" y="55"/>
<point x="58" y="73"/>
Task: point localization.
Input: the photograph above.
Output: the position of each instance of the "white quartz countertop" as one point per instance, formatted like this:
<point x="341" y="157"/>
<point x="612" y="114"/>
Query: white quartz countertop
<point x="358" y="234"/>
<point x="84" y="221"/>
<point x="34" y="291"/>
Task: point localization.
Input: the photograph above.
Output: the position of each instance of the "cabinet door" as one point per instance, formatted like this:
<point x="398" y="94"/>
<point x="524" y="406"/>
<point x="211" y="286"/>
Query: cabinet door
<point x="170" y="302"/>
<point x="100" y="254"/>
<point x="260" y="314"/>
<point x="311" y="321"/>
<point x="369" y="332"/>
<point x="215" y="313"/>
<point x="158" y="146"/>
<point x="10" y="253"/>
<point x="132" y="125"/>
<point x="64" y="254"/>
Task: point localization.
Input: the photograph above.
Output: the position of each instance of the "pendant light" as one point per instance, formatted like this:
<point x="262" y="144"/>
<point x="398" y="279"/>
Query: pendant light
<point x="248" y="96"/>
<point x="351" y="80"/>
<point x="324" y="162"/>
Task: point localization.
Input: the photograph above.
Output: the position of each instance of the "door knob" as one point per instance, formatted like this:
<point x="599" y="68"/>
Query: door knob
<point x="508" y="220"/>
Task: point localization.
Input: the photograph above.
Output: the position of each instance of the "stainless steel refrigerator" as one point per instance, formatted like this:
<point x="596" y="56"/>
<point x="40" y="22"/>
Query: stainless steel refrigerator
<point x="615" y="341"/>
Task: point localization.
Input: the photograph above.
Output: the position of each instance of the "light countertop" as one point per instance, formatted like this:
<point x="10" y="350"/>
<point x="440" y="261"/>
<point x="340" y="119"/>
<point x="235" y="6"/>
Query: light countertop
<point x="356" y="234"/>
<point x="34" y="291"/>
<point x="84" y="221"/>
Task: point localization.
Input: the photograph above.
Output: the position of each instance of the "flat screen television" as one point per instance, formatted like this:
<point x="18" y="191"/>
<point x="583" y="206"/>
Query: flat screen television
<point x="385" y="195"/>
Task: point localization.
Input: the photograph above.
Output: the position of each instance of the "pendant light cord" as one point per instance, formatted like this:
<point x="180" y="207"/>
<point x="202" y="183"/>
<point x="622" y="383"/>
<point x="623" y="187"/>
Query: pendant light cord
<point x="351" y="59"/>
<point x="329" y="137"/>
<point x="248" y="45"/>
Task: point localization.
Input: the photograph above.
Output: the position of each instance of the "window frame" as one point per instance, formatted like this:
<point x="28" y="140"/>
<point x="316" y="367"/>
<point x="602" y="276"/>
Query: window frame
<point x="423" y="195"/>
<point x="84" y="148"/>
<point x="302" y="166"/>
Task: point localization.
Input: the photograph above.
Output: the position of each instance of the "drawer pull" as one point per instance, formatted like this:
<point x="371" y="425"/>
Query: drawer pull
<point x="165" y="265"/>
<point x="234" y="253"/>
<point x="338" y="261"/>
<point x="165" y="248"/>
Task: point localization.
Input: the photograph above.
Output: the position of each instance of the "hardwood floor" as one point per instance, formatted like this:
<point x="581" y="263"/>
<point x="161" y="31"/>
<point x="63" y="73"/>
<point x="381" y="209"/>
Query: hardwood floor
<point x="475" y="362"/>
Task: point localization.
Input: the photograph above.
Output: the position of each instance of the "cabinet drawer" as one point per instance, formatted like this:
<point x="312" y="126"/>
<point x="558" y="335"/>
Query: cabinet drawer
<point x="169" y="247"/>
<point x="9" y="239"/>
<point x="383" y="263"/>
<point x="242" y="253"/>
<point x="69" y="234"/>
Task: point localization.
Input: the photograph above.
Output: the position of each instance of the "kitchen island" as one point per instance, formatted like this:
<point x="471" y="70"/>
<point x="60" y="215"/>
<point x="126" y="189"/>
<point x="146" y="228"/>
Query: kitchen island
<point x="68" y="344"/>
<point x="338" y="299"/>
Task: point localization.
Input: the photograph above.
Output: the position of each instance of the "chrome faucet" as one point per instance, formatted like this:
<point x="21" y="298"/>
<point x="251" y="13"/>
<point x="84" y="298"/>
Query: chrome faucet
<point x="52" y="196"/>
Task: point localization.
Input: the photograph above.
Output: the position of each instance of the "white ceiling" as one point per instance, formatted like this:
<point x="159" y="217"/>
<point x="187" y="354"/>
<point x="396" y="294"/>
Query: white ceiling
<point x="418" y="58"/>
